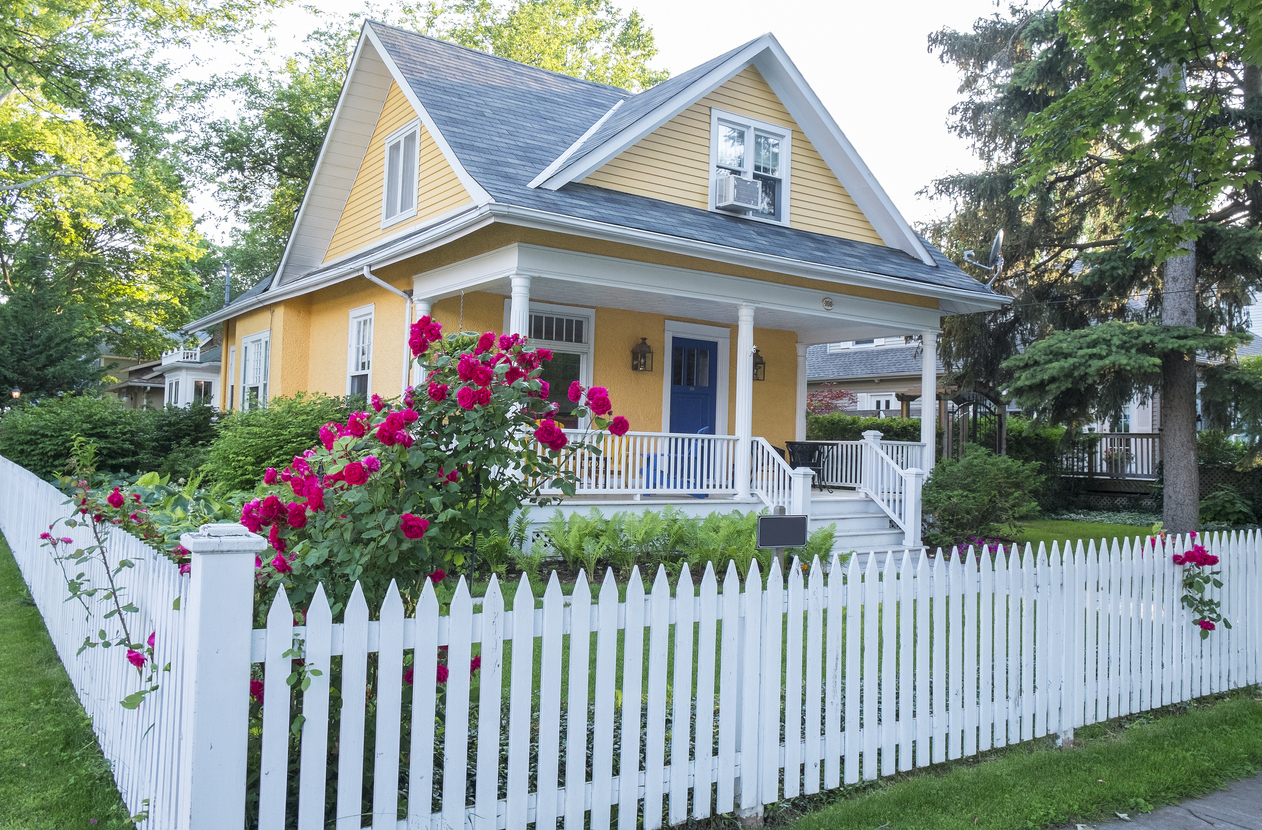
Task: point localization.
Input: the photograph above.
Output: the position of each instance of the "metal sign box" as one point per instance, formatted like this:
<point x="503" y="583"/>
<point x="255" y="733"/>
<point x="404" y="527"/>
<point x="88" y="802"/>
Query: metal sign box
<point x="782" y="531"/>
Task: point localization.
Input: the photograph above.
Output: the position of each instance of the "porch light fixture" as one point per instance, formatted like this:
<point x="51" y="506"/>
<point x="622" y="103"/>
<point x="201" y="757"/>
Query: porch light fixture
<point x="760" y="366"/>
<point x="642" y="356"/>
<point x="17" y="393"/>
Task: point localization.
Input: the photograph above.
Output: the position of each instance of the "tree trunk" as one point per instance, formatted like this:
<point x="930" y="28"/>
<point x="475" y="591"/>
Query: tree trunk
<point x="1181" y="497"/>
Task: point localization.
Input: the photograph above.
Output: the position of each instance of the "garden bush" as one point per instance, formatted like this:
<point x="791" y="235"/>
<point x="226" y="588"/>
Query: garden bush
<point x="247" y="443"/>
<point x="981" y="494"/>
<point x="841" y="427"/>
<point x="1225" y="505"/>
<point x="41" y="436"/>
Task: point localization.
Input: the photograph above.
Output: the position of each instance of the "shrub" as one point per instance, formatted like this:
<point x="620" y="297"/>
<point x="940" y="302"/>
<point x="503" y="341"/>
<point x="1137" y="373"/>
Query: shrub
<point x="1217" y="449"/>
<point x="40" y="436"/>
<point x="1226" y="505"/>
<point x="173" y="441"/>
<point x="247" y="443"/>
<point x="980" y="494"/>
<point x="841" y="427"/>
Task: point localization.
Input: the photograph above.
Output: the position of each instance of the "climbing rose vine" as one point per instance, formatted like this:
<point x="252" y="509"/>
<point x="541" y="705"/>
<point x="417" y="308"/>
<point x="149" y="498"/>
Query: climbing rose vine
<point x="403" y="491"/>
<point x="1206" y="612"/>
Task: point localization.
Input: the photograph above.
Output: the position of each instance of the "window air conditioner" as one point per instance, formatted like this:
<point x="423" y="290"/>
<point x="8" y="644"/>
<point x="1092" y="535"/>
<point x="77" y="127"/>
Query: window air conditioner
<point x="735" y="193"/>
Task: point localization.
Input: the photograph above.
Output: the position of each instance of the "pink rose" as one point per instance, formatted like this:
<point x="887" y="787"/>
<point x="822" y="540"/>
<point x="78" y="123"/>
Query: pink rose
<point x="395" y="422"/>
<point x="403" y="439"/>
<point x="152" y="636"/>
<point x="543" y="354"/>
<point x="513" y="374"/>
<point x="433" y="331"/>
<point x="508" y="341"/>
<point x="413" y="527"/>
<point x="619" y="426"/>
<point x="408" y="674"/>
<point x="328" y="435"/>
<point x="186" y="568"/>
<point x="386" y="435"/>
<point x="315" y="497"/>
<point x="466" y="397"/>
<point x="438" y="576"/>
<point x="281" y="564"/>
<point x="376" y="403"/>
<point x="438" y="391"/>
<point x="482" y="396"/>
<point x="357" y="425"/>
<point x="269" y="509"/>
<point x="598" y="400"/>
<point x="250" y="516"/>
<point x="355" y="474"/>
<point x="46" y="535"/>
<point x="465" y="367"/>
<point x="442" y="673"/>
<point x="372" y="464"/>
<point x="273" y="539"/>
<point x="67" y="540"/>
<point x="135" y="658"/>
<point x="408" y="400"/>
<point x="575" y="392"/>
<point x="483" y="375"/>
<point x="475" y="664"/>
<point x="256" y="690"/>
<point x="270" y="476"/>
<point x="115" y="499"/>
<point x="296" y="514"/>
<point x="550" y="435"/>
<point x="417" y="341"/>
<point x="409" y="416"/>
<point x="485" y="341"/>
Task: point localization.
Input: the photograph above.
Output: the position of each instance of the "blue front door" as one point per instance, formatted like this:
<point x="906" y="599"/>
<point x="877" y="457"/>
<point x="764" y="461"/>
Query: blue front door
<point x="694" y="368"/>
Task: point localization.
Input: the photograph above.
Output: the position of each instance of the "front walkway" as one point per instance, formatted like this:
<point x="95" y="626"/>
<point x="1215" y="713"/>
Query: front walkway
<point x="1239" y="807"/>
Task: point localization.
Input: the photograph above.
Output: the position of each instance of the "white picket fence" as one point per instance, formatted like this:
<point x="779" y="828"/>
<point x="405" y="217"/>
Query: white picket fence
<point x="142" y="746"/>
<point x="717" y="696"/>
<point x="828" y="681"/>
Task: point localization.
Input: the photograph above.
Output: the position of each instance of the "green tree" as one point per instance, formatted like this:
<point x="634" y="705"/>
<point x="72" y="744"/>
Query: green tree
<point x="261" y="158"/>
<point x="44" y="346"/>
<point x="1120" y="139"/>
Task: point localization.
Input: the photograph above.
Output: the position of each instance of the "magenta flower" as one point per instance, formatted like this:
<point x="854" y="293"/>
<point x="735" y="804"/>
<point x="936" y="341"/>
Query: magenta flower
<point x="135" y="658"/>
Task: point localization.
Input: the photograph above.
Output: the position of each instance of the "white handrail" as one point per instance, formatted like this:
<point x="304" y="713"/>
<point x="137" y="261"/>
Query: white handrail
<point x="841" y="463"/>
<point x="647" y="463"/>
<point x="770" y="476"/>
<point x="894" y="489"/>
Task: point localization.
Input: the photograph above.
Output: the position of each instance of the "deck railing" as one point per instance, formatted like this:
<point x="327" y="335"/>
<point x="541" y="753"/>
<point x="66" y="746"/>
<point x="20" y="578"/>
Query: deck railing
<point x="650" y="463"/>
<point x="842" y="461"/>
<point x="771" y="478"/>
<point x="1124" y="455"/>
<point x="892" y="486"/>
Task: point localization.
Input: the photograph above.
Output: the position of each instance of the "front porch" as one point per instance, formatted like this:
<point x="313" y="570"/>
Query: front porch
<point x="870" y="489"/>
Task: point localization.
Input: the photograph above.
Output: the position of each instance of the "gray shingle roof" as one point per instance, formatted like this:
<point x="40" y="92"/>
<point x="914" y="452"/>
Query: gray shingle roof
<point x="878" y="361"/>
<point x="506" y="122"/>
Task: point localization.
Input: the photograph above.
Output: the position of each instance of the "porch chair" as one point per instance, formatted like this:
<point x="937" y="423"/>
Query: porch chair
<point x="809" y="454"/>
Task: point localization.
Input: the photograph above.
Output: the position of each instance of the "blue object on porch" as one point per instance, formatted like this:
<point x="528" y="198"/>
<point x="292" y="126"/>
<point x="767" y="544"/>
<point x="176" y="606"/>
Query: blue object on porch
<point x="648" y="468"/>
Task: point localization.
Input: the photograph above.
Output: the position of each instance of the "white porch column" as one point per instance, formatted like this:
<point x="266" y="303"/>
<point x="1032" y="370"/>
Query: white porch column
<point x="519" y="307"/>
<point x="928" y="395"/>
<point x="420" y="308"/>
<point x="744" y="397"/>
<point x="799" y="428"/>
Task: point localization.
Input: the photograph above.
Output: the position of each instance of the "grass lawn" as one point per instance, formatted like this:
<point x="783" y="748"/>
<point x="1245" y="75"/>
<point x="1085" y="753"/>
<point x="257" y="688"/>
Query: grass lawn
<point x="1051" y="530"/>
<point x="1129" y="767"/>
<point x="52" y="774"/>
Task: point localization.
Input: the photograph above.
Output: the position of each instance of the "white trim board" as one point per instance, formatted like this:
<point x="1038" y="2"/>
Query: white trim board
<point x="698" y="331"/>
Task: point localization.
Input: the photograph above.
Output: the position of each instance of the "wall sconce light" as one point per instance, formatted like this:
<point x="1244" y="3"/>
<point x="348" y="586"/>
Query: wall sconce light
<point x="17" y="393"/>
<point x="642" y="356"/>
<point x="760" y="366"/>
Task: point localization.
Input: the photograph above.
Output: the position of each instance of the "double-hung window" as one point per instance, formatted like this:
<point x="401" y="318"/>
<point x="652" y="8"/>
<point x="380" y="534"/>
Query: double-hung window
<point x="173" y="393"/>
<point x="359" y="352"/>
<point x="756" y="151"/>
<point x="256" y="353"/>
<point x="399" y="196"/>
<point x="567" y="331"/>
<point x="203" y="392"/>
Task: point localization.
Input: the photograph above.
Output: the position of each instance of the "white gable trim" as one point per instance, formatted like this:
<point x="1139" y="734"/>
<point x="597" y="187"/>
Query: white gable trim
<point x="476" y="191"/>
<point x="331" y="181"/>
<point x="569" y="151"/>
<point x="768" y="56"/>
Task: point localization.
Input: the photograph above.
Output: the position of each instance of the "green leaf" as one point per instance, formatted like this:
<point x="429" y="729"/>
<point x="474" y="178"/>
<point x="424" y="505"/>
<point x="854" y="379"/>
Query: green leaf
<point x="132" y="700"/>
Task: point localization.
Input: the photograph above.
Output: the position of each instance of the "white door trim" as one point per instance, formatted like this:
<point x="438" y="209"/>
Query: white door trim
<point x="699" y="332"/>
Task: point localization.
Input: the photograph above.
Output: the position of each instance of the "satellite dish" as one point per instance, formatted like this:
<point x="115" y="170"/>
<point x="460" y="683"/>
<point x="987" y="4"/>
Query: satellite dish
<point x="995" y="265"/>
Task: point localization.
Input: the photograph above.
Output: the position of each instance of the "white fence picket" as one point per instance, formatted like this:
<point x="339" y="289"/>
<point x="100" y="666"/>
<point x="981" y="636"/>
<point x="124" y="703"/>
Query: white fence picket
<point x="547" y="806"/>
<point x="274" y="765"/>
<point x="424" y="701"/>
<point x="707" y="619"/>
<point x="632" y="695"/>
<point x="814" y="681"/>
<point x="350" y="768"/>
<point x="486" y="768"/>
<point x="520" y="692"/>
<point x="576" y="700"/>
<point x="655" y="733"/>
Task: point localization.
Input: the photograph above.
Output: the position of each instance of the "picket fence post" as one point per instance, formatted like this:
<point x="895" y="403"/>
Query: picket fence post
<point x="217" y="676"/>
<point x="915" y="482"/>
<point x="868" y="475"/>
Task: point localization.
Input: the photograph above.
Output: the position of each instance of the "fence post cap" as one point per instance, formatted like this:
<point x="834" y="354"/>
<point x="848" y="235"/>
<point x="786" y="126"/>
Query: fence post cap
<point x="225" y="537"/>
<point x="872" y="435"/>
<point x="915" y="472"/>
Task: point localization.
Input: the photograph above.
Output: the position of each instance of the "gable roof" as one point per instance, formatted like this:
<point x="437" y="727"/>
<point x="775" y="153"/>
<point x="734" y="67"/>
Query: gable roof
<point x="500" y="124"/>
<point x="874" y="362"/>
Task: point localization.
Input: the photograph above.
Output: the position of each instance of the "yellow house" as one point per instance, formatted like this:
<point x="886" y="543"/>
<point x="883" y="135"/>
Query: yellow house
<point x="720" y="219"/>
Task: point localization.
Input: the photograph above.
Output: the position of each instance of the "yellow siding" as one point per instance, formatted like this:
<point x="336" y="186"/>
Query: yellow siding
<point x="439" y="190"/>
<point x="673" y="162"/>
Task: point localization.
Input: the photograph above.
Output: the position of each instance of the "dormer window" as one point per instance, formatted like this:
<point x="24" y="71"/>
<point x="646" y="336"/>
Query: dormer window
<point x="752" y="152"/>
<point x="399" y="197"/>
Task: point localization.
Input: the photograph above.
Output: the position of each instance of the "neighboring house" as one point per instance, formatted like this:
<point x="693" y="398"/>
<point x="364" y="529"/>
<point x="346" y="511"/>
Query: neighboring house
<point x="722" y="216"/>
<point x="883" y="372"/>
<point x="181" y="377"/>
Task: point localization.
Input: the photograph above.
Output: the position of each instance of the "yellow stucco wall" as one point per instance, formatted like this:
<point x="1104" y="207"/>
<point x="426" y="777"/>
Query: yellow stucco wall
<point x="482" y="312"/>
<point x="673" y="162"/>
<point x="439" y="190"/>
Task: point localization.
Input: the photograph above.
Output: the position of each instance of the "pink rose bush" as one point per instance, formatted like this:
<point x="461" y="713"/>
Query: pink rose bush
<point x="1206" y="611"/>
<point x="403" y="491"/>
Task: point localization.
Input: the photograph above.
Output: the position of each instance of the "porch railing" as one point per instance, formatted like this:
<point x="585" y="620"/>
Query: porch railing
<point x="648" y="463"/>
<point x="841" y="463"/>
<point x="771" y="478"/>
<point x="1125" y="455"/>
<point x="896" y="489"/>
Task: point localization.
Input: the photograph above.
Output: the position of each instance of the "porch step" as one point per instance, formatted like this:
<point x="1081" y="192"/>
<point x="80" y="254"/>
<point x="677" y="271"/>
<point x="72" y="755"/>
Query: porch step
<point x="861" y="525"/>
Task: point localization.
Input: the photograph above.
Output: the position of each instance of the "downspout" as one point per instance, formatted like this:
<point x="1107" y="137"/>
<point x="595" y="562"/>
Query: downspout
<point x="407" y="322"/>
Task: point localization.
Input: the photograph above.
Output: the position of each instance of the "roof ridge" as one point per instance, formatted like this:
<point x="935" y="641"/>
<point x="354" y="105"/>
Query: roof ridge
<point x="501" y="58"/>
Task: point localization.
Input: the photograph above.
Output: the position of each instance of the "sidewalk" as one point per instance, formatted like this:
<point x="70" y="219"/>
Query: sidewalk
<point x="1239" y="807"/>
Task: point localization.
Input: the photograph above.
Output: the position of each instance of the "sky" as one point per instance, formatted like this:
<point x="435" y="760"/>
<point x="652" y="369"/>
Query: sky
<point x="867" y="61"/>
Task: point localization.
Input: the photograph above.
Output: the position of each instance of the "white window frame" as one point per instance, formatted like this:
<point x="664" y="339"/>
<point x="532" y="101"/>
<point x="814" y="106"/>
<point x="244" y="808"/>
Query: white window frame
<point x="173" y="392"/>
<point x="206" y="399"/>
<point x="357" y="315"/>
<point x="584" y="350"/>
<point x="262" y="341"/>
<point x="753" y="125"/>
<point x="389" y="218"/>
<point x="228" y="391"/>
